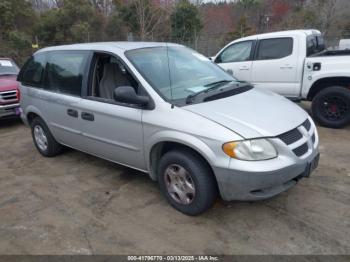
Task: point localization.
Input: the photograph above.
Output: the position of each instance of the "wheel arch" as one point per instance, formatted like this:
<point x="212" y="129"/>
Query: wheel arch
<point x="31" y="112"/>
<point x="325" y="82"/>
<point x="160" y="147"/>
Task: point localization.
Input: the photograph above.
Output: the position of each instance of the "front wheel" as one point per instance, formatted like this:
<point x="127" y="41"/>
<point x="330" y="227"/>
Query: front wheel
<point x="187" y="182"/>
<point x="331" y="107"/>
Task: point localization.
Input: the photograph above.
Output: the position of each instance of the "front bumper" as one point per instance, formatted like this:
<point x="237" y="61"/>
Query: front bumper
<point x="10" y="110"/>
<point x="245" y="180"/>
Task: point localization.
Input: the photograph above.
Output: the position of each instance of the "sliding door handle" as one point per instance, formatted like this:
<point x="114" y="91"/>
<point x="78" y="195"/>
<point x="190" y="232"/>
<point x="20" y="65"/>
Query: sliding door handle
<point x="72" y="113"/>
<point x="87" y="116"/>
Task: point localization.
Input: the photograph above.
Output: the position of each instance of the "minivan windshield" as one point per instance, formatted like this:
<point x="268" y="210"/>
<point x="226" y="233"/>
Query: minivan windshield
<point x="7" y="67"/>
<point x="177" y="72"/>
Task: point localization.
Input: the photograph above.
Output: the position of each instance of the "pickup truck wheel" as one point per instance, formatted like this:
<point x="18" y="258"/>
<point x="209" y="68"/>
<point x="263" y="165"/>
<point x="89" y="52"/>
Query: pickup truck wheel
<point x="43" y="139"/>
<point x="187" y="182"/>
<point x="331" y="107"/>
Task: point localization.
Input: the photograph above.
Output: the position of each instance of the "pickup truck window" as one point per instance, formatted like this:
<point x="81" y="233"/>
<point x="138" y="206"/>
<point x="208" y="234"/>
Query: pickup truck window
<point x="275" y="48"/>
<point x="314" y="44"/>
<point x="238" y="52"/>
<point x="7" y="67"/>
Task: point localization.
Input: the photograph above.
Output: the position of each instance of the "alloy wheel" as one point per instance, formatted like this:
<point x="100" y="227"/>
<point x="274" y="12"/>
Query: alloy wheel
<point x="180" y="185"/>
<point x="40" y="138"/>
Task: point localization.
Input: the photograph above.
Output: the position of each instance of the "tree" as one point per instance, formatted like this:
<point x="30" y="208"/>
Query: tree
<point x="327" y="14"/>
<point x="15" y="15"/>
<point x="143" y="17"/>
<point x="16" y="20"/>
<point x="115" y="28"/>
<point x="75" y="21"/>
<point x="185" y="22"/>
<point x="242" y="29"/>
<point x="248" y="4"/>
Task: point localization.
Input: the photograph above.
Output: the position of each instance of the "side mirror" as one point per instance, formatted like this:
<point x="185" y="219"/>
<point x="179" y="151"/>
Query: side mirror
<point x="229" y="71"/>
<point x="217" y="60"/>
<point x="127" y="94"/>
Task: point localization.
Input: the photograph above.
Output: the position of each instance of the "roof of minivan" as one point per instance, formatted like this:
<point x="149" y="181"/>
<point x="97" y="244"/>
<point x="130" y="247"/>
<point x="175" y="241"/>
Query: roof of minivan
<point x="284" y="33"/>
<point x="123" y="46"/>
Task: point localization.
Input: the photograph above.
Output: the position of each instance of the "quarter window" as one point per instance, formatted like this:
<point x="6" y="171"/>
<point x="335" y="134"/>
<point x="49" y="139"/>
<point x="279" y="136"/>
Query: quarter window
<point x="238" y="52"/>
<point x="33" y="71"/>
<point x="65" y="71"/>
<point x="274" y="48"/>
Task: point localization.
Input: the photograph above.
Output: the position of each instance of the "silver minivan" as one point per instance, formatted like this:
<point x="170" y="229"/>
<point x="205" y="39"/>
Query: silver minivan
<point x="170" y="112"/>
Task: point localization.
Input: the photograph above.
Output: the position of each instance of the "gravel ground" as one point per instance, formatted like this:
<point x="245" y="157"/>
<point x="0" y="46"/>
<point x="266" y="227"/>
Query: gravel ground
<point x="79" y="204"/>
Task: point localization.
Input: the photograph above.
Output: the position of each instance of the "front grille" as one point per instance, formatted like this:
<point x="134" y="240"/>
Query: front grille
<point x="300" y="139"/>
<point x="301" y="150"/>
<point x="307" y="125"/>
<point x="291" y="136"/>
<point x="8" y="96"/>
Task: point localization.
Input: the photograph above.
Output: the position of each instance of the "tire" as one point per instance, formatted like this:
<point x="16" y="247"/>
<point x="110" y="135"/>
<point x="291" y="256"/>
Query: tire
<point x="331" y="107"/>
<point x="198" y="173"/>
<point x="47" y="147"/>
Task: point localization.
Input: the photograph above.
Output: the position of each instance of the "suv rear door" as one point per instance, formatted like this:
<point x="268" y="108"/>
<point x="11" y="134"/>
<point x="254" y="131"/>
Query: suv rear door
<point x="275" y="65"/>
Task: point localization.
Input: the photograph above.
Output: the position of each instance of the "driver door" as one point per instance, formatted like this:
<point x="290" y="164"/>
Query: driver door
<point x="237" y="60"/>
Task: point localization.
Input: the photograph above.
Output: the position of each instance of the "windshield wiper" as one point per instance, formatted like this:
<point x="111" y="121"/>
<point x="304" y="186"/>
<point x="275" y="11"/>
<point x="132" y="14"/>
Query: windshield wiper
<point x="215" y="85"/>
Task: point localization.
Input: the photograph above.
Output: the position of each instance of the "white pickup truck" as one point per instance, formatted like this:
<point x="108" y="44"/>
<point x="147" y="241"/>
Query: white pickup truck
<point x="294" y="64"/>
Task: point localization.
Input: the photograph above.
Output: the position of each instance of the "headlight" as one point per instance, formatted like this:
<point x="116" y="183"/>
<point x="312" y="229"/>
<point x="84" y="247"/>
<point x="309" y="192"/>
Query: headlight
<point x="250" y="150"/>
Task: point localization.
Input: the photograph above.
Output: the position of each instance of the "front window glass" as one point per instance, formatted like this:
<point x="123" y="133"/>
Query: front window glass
<point x="7" y="67"/>
<point x="236" y="53"/>
<point x="177" y="72"/>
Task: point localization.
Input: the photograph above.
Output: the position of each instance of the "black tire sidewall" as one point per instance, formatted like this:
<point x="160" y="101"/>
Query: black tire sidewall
<point x="317" y="103"/>
<point x="53" y="148"/>
<point x="201" y="174"/>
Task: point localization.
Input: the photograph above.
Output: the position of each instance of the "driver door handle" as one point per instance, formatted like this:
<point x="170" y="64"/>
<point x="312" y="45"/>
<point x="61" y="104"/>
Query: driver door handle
<point x="287" y="67"/>
<point x="72" y="113"/>
<point x="87" y="116"/>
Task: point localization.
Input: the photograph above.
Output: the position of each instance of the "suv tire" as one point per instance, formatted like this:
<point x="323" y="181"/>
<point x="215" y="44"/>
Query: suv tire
<point x="187" y="182"/>
<point x="43" y="139"/>
<point x="331" y="107"/>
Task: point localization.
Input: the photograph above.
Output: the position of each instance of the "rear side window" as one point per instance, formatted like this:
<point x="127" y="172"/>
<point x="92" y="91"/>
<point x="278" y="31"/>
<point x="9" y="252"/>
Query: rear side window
<point x="65" y="71"/>
<point x="33" y="71"/>
<point x="314" y="44"/>
<point x="274" y="48"/>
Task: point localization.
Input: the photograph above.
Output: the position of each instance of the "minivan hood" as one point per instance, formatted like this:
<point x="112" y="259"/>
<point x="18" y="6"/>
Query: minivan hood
<point x="252" y="114"/>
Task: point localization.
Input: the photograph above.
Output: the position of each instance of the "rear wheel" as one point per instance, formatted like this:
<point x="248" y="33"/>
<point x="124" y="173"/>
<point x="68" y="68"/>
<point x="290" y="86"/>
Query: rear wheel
<point x="43" y="139"/>
<point x="331" y="107"/>
<point x="187" y="182"/>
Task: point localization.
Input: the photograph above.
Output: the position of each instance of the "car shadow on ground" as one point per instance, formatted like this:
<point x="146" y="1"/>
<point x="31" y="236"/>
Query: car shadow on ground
<point x="10" y="122"/>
